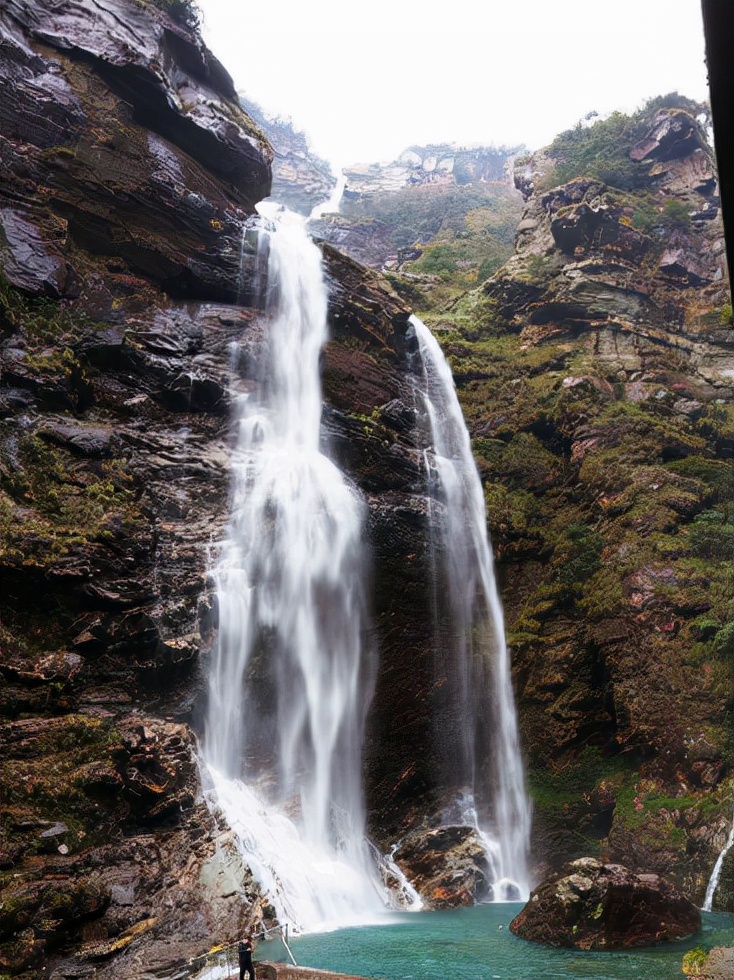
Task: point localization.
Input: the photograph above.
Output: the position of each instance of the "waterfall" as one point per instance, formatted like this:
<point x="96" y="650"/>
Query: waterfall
<point x="480" y="737"/>
<point x="291" y="675"/>
<point x="331" y="204"/>
<point x="714" y="879"/>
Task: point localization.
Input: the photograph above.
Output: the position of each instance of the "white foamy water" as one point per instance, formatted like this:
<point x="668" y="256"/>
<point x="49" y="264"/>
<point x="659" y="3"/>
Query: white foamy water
<point x="486" y="761"/>
<point x="291" y="677"/>
<point x="331" y="204"/>
<point x="716" y="873"/>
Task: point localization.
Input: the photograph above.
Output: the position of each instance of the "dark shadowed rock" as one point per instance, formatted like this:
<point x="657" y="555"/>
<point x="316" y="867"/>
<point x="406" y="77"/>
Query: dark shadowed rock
<point x="446" y="865"/>
<point x="590" y="905"/>
<point x="121" y="134"/>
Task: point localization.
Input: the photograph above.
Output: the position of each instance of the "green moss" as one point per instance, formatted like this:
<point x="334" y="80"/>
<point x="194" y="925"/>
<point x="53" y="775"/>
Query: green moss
<point x="602" y="150"/>
<point x="43" y="322"/>
<point x="561" y="793"/>
<point x="44" y="784"/>
<point x="602" y="595"/>
<point x="65" y="503"/>
<point x="676" y="215"/>
<point x="711" y="536"/>
<point x="524" y="461"/>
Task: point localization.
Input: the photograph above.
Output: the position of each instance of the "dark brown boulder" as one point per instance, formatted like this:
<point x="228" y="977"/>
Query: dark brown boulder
<point x="446" y="865"/>
<point x="590" y="905"/>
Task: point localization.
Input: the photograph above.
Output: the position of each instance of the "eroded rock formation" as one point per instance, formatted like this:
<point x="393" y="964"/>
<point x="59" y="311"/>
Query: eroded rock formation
<point x="124" y="243"/>
<point x="301" y="179"/>
<point x="590" y="905"/>
<point x="596" y="373"/>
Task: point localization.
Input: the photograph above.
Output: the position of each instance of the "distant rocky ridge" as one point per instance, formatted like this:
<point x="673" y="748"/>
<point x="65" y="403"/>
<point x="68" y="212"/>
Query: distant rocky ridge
<point x="301" y="179"/>
<point x="453" y="208"/>
<point x="441" y="163"/>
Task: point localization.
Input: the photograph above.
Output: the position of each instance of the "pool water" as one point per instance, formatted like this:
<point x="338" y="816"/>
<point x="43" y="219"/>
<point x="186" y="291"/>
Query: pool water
<point x="476" y="944"/>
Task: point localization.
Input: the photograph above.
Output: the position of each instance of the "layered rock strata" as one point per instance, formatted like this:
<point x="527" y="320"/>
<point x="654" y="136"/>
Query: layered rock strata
<point x="596" y="373"/>
<point x="125" y="240"/>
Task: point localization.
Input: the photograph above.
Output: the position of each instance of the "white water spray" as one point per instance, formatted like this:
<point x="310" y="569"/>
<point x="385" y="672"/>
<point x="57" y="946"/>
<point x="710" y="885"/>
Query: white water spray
<point x="486" y="761"/>
<point x="291" y="679"/>
<point x="716" y="873"/>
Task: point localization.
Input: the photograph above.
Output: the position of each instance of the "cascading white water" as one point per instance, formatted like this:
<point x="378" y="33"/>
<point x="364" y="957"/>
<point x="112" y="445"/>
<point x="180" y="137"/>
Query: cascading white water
<point x="486" y="761"/>
<point x="291" y="677"/>
<point x="331" y="204"/>
<point x="716" y="873"/>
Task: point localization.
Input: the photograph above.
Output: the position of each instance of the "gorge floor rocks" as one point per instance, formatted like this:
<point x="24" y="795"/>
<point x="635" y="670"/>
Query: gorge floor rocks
<point x="591" y="905"/>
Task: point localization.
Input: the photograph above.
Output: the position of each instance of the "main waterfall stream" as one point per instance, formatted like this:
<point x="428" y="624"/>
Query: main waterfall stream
<point x="291" y="676"/>
<point x="292" y="671"/>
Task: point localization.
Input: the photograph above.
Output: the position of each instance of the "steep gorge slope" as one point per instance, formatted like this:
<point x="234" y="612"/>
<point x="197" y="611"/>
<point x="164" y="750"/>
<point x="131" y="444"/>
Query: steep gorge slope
<point x="130" y="176"/>
<point x="598" y="354"/>
<point x="595" y="370"/>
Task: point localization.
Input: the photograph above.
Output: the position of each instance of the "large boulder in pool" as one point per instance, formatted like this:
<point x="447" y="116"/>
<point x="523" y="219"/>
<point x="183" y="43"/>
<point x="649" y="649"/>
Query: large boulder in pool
<point x="447" y="866"/>
<point x="590" y="905"/>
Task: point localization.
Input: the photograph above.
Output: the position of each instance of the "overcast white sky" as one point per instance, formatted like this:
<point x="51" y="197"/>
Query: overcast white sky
<point x="366" y="78"/>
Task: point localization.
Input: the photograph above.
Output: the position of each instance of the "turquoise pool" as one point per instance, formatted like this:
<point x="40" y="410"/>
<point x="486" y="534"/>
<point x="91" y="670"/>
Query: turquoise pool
<point x="476" y="944"/>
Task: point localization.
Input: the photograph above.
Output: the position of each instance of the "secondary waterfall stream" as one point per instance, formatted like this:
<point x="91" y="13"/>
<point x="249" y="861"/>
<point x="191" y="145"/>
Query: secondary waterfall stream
<point x="713" y="883"/>
<point x="485" y="759"/>
<point x="291" y="676"/>
<point x="292" y="673"/>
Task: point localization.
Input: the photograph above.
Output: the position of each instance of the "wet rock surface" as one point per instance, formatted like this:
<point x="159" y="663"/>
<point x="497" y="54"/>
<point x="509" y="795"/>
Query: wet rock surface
<point x="590" y="905"/>
<point x="446" y="865"/>
<point x="121" y="137"/>
<point x="122" y="220"/>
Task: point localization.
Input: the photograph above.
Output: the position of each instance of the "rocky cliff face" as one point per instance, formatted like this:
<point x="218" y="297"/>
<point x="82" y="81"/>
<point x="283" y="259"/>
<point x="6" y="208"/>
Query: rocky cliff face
<point x="596" y="371"/>
<point x="435" y="164"/>
<point x="130" y="175"/>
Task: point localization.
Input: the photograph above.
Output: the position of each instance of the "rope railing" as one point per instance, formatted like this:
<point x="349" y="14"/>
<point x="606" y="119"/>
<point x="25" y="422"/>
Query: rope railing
<point x="219" y="963"/>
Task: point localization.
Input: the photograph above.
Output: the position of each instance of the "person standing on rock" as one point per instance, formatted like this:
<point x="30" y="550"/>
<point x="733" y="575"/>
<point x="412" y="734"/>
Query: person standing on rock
<point x="245" y="951"/>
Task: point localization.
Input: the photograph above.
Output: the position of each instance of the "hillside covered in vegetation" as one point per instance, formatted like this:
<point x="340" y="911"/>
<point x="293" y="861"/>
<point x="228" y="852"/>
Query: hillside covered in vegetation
<point x="441" y="217"/>
<point x="595" y="372"/>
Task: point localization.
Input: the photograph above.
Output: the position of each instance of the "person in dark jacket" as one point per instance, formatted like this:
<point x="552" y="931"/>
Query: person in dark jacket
<point x="245" y="951"/>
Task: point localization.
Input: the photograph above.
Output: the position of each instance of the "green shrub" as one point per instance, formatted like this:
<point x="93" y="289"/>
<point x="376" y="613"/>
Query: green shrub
<point x="676" y="215"/>
<point x="722" y="645"/>
<point x="602" y="150"/>
<point x="185" y="12"/>
<point x="694" y="961"/>
<point x="711" y="536"/>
